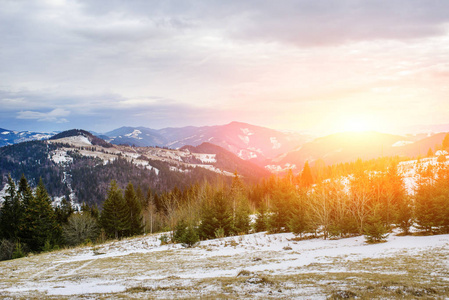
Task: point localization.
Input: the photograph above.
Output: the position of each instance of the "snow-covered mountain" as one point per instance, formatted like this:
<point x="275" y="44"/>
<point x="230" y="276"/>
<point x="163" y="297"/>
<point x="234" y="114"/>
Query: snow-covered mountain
<point x="10" y="137"/>
<point x="247" y="141"/>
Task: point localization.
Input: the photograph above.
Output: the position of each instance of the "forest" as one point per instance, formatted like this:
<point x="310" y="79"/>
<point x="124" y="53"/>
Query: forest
<point x="370" y="202"/>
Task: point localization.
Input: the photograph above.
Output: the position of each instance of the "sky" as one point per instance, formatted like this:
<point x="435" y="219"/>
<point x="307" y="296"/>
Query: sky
<point x="308" y="66"/>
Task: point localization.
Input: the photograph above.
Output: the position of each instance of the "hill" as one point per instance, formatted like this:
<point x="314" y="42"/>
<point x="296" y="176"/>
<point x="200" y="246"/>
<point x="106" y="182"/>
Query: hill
<point x="77" y="164"/>
<point x="89" y="138"/>
<point x="255" y="266"/>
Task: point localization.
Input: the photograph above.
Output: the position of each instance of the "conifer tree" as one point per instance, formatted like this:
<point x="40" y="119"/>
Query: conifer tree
<point x="216" y="215"/>
<point x="140" y="197"/>
<point x="39" y="222"/>
<point x="280" y="209"/>
<point x="134" y="211"/>
<point x="299" y="219"/>
<point x="64" y="211"/>
<point x="445" y="144"/>
<point x="306" y="176"/>
<point x="261" y="223"/>
<point x="114" y="217"/>
<point x="11" y="213"/>
<point x="240" y="207"/>
<point x="375" y="229"/>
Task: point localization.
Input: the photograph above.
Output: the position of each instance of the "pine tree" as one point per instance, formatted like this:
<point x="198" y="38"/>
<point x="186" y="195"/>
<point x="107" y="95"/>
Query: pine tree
<point x="39" y="223"/>
<point x="64" y="211"/>
<point x="216" y="216"/>
<point x="261" y="223"/>
<point x="375" y="229"/>
<point x="134" y="211"/>
<point x="430" y="152"/>
<point x="306" y="176"/>
<point x="11" y="213"/>
<point x="280" y="209"/>
<point x="240" y="207"/>
<point x="299" y="219"/>
<point x="445" y="144"/>
<point x="114" y="216"/>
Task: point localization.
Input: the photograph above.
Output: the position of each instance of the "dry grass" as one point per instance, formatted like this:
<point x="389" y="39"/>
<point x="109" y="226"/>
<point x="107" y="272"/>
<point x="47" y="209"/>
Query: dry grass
<point x="208" y="273"/>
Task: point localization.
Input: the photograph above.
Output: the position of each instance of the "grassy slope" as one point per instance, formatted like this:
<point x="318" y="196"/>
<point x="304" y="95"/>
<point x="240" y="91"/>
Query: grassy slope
<point x="251" y="266"/>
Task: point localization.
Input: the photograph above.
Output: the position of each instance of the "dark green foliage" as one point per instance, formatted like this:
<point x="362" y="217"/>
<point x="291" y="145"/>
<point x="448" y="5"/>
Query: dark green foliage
<point x="185" y="234"/>
<point x="281" y="203"/>
<point x="19" y="251"/>
<point x="31" y="159"/>
<point x="39" y="221"/>
<point x="92" y="210"/>
<point x="134" y="211"/>
<point x="299" y="220"/>
<point x="114" y="217"/>
<point x="11" y="213"/>
<point x="216" y="214"/>
<point x="375" y="229"/>
<point x="261" y="223"/>
<point x="190" y="237"/>
<point x="63" y="211"/>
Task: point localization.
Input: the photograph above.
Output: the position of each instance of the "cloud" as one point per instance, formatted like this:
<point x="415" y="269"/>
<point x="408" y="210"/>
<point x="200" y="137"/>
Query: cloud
<point x="55" y="116"/>
<point x="108" y="63"/>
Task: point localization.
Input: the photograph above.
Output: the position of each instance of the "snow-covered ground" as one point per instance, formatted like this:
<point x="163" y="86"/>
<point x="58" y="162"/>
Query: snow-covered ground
<point x="258" y="265"/>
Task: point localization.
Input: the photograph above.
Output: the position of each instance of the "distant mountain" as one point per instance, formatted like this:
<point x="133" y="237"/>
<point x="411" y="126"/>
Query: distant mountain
<point x="136" y="136"/>
<point x="90" y="138"/>
<point x="347" y="147"/>
<point x="340" y="147"/>
<point x="10" y="137"/>
<point x="247" y="141"/>
<point x="77" y="164"/>
<point x="227" y="160"/>
<point x="421" y="147"/>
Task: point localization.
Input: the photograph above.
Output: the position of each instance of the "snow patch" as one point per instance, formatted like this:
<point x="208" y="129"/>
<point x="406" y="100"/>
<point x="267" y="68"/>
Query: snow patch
<point x="276" y="144"/>
<point x="60" y="156"/>
<point x="246" y="131"/>
<point x="5" y="132"/>
<point x="401" y="143"/>
<point x="244" y="138"/>
<point x="440" y="152"/>
<point x="135" y="134"/>
<point x="206" y="158"/>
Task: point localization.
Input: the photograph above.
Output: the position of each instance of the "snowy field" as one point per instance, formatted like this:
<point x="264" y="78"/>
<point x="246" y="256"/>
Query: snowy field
<point x="277" y="266"/>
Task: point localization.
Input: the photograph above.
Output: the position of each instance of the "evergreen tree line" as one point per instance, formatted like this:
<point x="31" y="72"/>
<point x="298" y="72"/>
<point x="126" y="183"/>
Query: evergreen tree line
<point x="370" y="203"/>
<point x="28" y="221"/>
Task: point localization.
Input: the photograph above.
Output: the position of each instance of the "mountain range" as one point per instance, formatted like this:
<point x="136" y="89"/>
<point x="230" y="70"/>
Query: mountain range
<point x="247" y="141"/>
<point x="79" y="165"/>
<point x="10" y="137"/>
<point x="274" y="150"/>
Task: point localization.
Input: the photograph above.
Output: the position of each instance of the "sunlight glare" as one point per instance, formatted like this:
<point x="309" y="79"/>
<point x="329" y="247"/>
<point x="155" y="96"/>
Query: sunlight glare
<point x="356" y="124"/>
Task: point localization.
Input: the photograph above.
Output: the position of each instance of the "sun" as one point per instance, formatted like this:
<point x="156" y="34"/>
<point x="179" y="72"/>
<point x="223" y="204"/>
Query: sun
<point x="356" y="124"/>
